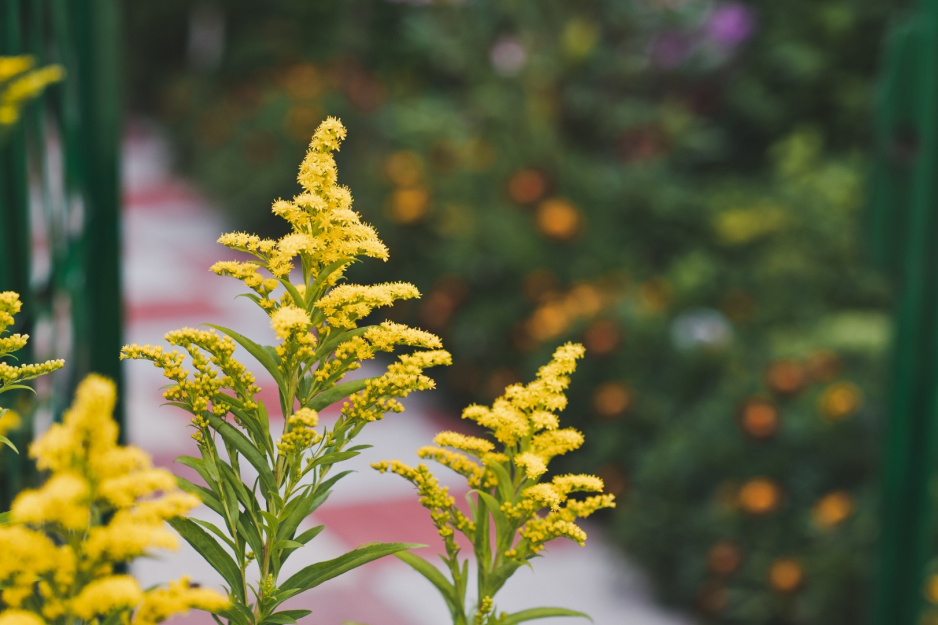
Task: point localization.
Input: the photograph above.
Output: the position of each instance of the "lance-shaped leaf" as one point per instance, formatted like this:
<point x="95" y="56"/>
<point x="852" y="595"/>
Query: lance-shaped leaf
<point x="212" y="552"/>
<point x="337" y="392"/>
<point x="435" y="577"/>
<point x="315" y="574"/>
<point x="536" y="613"/>
<point x="246" y="448"/>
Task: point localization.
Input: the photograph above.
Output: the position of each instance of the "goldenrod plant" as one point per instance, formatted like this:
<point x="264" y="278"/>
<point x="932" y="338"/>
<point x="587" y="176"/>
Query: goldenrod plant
<point x="20" y="82"/>
<point x="102" y="506"/>
<point x="513" y="511"/>
<point x="13" y="376"/>
<point x="298" y="281"/>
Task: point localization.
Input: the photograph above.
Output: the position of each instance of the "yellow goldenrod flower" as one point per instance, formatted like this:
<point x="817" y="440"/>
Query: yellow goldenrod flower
<point x="64" y="499"/>
<point x="20" y="617"/>
<point x="344" y="305"/>
<point x="176" y="599"/>
<point x="472" y="444"/>
<point x="524" y="513"/>
<point x="104" y="596"/>
<point x="533" y="465"/>
<point x="101" y="506"/>
<point x="289" y="320"/>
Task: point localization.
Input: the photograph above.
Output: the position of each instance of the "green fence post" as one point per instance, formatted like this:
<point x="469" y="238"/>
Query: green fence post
<point x="95" y="33"/>
<point x="82" y="36"/>
<point x="904" y="218"/>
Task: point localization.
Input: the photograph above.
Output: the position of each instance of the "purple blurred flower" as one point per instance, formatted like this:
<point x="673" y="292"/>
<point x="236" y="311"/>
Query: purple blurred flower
<point x="669" y="49"/>
<point x="729" y="24"/>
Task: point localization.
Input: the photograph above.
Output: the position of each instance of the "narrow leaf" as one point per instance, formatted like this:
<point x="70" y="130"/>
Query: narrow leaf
<point x="315" y="574"/>
<point x="536" y="613"/>
<point x="8" y="443"/>
<point x="337" y="392"/>
<point x="246" y="448"/>
<point x="309" y="534"/>
<point x="207" y="496"/>
<point x="435" y="577"/>
<point x="212" y="552"/>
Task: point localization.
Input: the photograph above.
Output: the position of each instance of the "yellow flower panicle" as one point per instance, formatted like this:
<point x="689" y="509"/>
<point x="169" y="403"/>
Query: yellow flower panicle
<point x="401" y="378"/>
<point x="59" y="553"/>
<point x="344" y="305"/>
<point x="101" y="597"/>
<point x="435" y="498"/>
<point x="176" y="599"/>
<point x="11" y="375"/>
<point x="300" y="434"/>
<point x="531" y="512"/>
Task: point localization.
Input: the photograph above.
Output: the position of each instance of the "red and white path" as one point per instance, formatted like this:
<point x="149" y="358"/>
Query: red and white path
<point x="169" y="244"/>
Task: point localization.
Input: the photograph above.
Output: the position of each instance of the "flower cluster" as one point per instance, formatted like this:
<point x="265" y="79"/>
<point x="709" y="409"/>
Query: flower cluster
<point x="13" y="376"/>
<point x="102" y="506"/>
<point x="505" y="475"/>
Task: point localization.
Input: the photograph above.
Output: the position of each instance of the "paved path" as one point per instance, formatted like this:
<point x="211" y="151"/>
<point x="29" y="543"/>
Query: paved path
<point x="170" y="233"/>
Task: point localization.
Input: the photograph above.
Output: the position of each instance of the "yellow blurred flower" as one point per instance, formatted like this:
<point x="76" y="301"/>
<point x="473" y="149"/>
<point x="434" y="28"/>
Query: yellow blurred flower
<point x="759" y="496"/>
<point x="558" y="219"/>
<point x="832" y="509"/>
<point x="840" y="400"/>
<point x="786" y="575"/>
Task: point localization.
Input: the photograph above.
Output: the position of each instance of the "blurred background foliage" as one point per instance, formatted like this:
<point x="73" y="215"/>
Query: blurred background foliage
<point x="678" y="184"/>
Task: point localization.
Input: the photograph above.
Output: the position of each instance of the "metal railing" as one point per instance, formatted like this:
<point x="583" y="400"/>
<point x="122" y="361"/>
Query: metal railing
<point x="60" y="189"/>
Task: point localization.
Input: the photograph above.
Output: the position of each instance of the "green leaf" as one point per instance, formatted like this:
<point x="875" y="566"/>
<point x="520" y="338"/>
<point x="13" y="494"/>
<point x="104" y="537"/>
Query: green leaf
<point x="246" y="448"/>
<point x="208" y="497"/>
<point x="6" y="518"/>
<point x="254" y="420"/>
<point x="293" y="514"/>
<point x="286" y="617"/>
<point x="215" y="530"/>
<point x="249" y="532"/>
<point x="326" y="272"/>
<point x="301" y="540"/>
<point x="333" y="458"/>
<point x="309" y="534"/>
<point x="501" y="521"/>
<point x="315" y="574"/>
<point x="209" y="473"/>
<point x="337" y="392"/>
<point x="238" y="614"/>
<point x="435" y="577"/>
<point x="504" y="480"/>
<point x="15" y="387"/>
<point x="536" y="613"/>
<point x="211" y="552"/>
<point x="246" y="497"/>
<point x="255" y="350"/>
<point x="8" y="443"/>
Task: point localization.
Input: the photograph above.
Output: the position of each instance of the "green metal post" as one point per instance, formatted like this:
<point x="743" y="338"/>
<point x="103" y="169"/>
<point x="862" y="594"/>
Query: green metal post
<point x="83" y="37"/>
<point x="905" y="219"/>
<point x="95" y="32"/>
